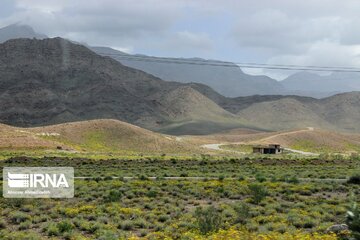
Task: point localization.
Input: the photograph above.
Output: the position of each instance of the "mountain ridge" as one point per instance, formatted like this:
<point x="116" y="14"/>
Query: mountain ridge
<point x="220" y="78"/>
<point x="51" y="81"/>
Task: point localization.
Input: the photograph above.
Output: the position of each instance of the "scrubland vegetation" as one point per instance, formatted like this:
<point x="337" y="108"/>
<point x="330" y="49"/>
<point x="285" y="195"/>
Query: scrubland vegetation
<point x="263" y="198"/>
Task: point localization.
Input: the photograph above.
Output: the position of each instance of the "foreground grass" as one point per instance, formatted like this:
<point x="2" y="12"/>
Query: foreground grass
<point x="264" y="200"/>
<point x="121" y="209"/>
<point x="272" y="169"/>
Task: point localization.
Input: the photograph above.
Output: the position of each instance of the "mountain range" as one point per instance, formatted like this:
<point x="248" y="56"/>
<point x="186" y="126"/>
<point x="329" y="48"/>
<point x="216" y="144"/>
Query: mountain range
<point x="228" y="80"/>
<point x="55" y="81"/>
<point x="19" y="31"/>
<point x="231" y="81"/>
<point x="331" y="84"/>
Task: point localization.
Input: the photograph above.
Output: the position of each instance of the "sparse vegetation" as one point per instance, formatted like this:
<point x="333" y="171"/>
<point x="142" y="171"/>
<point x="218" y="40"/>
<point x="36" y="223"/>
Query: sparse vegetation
<point x="353" y="220"/>
<point x="292" y="202"/>
<point x="208" y="219"/>
<point x="258" y="192"/>
<point x="355" y="179"/>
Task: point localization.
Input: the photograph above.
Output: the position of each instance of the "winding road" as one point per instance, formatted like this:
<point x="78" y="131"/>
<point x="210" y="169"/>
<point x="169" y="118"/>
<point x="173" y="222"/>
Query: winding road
<point x="217" y="146"/>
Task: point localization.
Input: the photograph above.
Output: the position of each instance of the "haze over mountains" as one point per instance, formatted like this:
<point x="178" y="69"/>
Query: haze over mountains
<point x="18" y="31"/>
<point x="53" y="80"/>
<point x="233" y="82"/>
<point x="56" y="81"/>
<point x="328" y="85"/>
<point x="228" y="81"/>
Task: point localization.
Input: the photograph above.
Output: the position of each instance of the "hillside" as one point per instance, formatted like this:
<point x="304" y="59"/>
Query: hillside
<point x="52" y="81"/>
<point x="310" y="140"/>
<point x="109" y="136"/>
<point x="315" y="140"/>
<point x="18" y="31"/>
<point x="55" y="81"/>
<point x="12" y="138"/>
<point x="228" y="81"/>
<point x="200" y="117"/>
<point x="340" y="112"/>
<point x="286" y="113"/>
<point x="327" y="85"/>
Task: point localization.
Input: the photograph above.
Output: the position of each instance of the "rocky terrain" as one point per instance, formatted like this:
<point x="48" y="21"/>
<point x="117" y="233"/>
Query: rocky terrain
<point x="54" y="81"/>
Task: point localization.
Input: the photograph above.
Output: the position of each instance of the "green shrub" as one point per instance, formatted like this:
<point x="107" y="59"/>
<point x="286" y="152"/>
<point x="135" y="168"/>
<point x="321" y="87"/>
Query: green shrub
<point x="208" y="219"/>
<point x="126" y="225"/>
<point x="260" y="178"/>
<point x="143" y="178"/>
<point x="354" y="179"/>
<point x="292" y="179"/>
<point x="258" y="192"/>
<point x="24" y="225"/>
<point x="151" y="194"/>
<point x="140" y="223"/>
<point x="65" y="226"/>
<point x="52" y="230"/>
<point x="353" y="220"/>
<point x="242" y="212"/>
<point x="107" y="235"/>
<point x="163" y="218"/>
<point x="19" y="217"/>
<point x="2" y="224"/>
<point x="113" y="196"/>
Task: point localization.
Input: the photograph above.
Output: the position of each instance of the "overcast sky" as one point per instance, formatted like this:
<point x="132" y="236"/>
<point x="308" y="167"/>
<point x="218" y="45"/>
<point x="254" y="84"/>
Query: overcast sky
<point x="307" y="32"/>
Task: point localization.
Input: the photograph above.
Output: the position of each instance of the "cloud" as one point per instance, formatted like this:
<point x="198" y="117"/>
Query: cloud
<point x="276" y="31"/>
<point x="98" y="21"/>
<point x="303" y="33"/>
<point x="321" y="32"/>
<point x="186" y="40"/>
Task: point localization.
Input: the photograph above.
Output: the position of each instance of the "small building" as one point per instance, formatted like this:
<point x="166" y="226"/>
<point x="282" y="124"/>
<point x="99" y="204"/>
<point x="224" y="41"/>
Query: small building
<point x="268" y="149"/>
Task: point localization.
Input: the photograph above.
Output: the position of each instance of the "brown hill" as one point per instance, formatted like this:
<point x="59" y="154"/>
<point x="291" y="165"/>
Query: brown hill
<point x="92" y="136"/>
<point x="286" y="113"/>
<point x="55" y="81"/>
<point x="190" y="112"/>
<point x="314" y="140"/>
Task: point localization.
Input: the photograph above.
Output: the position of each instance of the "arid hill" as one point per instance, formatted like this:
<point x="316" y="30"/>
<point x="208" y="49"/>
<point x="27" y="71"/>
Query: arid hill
<point x="52" y="81"/>
<point x="55" y="81"/>
<point x="109" y="136"/>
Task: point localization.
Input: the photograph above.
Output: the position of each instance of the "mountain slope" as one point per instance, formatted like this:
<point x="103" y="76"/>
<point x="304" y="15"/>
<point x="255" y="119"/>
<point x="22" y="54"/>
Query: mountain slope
<point x="18" y="31"/>
<point x="91" y="136"/>
<point x="315" y="140"/>
<point x="111" y="136"/>
<point x="341" y="110"/>
<point x="328" y="85"/>
<point x="228" y="81"/>
<point x="285" y="113"/>
<point x="200" y="117"/>
<point x="53" y="81"/>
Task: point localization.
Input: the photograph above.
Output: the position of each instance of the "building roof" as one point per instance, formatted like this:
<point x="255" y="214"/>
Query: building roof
<point x="267" y="146"/>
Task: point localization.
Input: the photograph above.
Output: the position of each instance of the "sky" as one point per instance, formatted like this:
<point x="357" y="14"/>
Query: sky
<point x="307" y="32"/>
